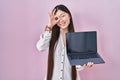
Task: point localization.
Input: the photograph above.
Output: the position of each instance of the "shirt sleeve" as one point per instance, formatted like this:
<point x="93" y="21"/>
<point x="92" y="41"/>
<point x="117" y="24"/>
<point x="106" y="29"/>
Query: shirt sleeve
<point x="79" y="67"/>
<point x="44" y="41"/>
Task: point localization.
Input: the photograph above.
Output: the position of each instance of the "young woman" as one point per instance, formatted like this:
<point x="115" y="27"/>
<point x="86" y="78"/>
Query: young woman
<point x="59" y="68"/>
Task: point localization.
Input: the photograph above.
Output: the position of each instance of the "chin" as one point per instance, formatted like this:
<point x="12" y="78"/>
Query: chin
<point x="63" y="27"/>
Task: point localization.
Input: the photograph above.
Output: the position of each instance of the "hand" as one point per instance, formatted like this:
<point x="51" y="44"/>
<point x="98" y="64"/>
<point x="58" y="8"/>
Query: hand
<point x="53" y="19"/>
<point x="89" y="64"/>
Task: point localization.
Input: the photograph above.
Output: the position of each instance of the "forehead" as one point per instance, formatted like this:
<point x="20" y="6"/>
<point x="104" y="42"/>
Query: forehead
<point x="60" y="12"/>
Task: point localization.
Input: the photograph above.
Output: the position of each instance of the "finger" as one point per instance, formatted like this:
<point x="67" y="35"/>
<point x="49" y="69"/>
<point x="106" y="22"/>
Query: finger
<point x="56" y="18"/>
<point x="49" y="13"/>
<point x="92" y="64"/>
<point x="53" y="12"/>
<point x="51" y="16"/>
<point x="89" y="64"/>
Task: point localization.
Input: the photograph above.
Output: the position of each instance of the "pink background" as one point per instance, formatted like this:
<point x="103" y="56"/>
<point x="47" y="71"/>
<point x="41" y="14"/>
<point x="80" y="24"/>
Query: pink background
<point x="22" y="21"/>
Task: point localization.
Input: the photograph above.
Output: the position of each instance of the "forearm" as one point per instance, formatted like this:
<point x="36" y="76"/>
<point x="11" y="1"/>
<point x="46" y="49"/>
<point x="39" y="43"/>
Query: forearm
<point x="44" y="41"/>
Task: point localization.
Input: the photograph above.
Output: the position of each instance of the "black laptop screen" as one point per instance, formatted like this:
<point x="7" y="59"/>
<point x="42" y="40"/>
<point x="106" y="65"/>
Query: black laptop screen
<point x="82" y="42"/>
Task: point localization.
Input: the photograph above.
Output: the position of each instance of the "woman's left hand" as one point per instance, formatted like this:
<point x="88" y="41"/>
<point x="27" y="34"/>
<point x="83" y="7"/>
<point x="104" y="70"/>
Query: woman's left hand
<point x="89" y="64"/>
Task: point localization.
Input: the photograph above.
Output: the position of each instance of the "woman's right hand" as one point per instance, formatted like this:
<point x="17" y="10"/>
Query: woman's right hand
<point x="53" y="19"/>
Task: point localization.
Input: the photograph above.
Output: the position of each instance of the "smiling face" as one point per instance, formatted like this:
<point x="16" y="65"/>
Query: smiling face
<point x="64" y="19"/>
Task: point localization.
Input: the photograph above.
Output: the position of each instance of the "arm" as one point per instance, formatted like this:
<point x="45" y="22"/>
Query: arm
<point x="44" y="41"/>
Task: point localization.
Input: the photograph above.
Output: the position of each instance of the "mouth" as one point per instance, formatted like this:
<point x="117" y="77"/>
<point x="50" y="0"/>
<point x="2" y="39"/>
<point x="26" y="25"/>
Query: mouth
<point x="62" y="23"/>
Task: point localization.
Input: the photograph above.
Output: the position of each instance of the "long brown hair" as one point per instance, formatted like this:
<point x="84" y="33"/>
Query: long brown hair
<point x="54" y="38"/>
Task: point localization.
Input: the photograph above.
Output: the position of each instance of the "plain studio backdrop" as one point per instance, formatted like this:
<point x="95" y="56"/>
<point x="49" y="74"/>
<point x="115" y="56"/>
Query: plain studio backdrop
<point x="22" y="21"/>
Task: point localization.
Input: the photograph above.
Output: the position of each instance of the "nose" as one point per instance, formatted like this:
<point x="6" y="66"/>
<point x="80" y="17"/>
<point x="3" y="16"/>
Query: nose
<point x="60" y="19"/>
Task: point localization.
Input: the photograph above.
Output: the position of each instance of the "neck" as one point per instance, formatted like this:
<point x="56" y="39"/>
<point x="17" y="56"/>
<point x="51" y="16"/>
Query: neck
<point x="63" y="31"/>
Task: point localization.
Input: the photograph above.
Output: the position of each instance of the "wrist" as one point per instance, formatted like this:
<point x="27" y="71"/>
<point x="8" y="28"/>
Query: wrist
<point x="48" y="28"/>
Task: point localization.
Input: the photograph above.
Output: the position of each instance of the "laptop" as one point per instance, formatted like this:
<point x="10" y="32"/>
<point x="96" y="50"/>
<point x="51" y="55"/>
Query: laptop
<point x="82" y="48"/>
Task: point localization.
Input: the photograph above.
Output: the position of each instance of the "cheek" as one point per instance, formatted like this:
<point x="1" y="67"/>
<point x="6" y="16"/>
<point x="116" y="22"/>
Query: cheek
<point x="68" y="21"/>
<point x="65" y="18"/>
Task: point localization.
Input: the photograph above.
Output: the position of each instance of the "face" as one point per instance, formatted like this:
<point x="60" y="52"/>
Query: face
<point x="64" y="19"/>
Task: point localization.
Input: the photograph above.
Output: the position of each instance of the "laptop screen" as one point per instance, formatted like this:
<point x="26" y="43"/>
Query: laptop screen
<point x="82" y="42"/>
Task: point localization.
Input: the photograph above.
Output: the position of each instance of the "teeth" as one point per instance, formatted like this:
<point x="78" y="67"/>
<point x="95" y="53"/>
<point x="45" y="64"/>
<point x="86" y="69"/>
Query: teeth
<point x="63" y="23"/>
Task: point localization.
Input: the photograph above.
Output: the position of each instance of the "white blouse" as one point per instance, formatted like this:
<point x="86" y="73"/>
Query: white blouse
<point x="62" y="67"/>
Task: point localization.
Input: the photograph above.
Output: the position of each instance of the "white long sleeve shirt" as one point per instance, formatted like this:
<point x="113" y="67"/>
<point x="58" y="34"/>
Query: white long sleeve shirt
<point x="62" y="67"/>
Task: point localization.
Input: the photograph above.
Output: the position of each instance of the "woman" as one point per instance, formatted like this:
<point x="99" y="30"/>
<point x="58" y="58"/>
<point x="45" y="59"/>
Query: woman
<point x="59" y="68"/>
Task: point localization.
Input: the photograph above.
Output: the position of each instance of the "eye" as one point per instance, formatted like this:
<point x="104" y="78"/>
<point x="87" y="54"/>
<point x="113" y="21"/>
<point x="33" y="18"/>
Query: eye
<point x="62" y="15"/>
<point x="56" y="18"/>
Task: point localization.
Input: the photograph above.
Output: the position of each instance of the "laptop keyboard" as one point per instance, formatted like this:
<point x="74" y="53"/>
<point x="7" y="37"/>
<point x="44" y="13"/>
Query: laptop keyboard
<point x="84" y="56"/>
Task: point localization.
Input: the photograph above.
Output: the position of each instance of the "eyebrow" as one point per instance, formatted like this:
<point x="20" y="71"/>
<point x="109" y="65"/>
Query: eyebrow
<point x="62" y="14"/>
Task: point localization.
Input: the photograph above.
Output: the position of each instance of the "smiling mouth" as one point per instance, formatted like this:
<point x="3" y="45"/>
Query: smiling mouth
<point x="62" y="24"/>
